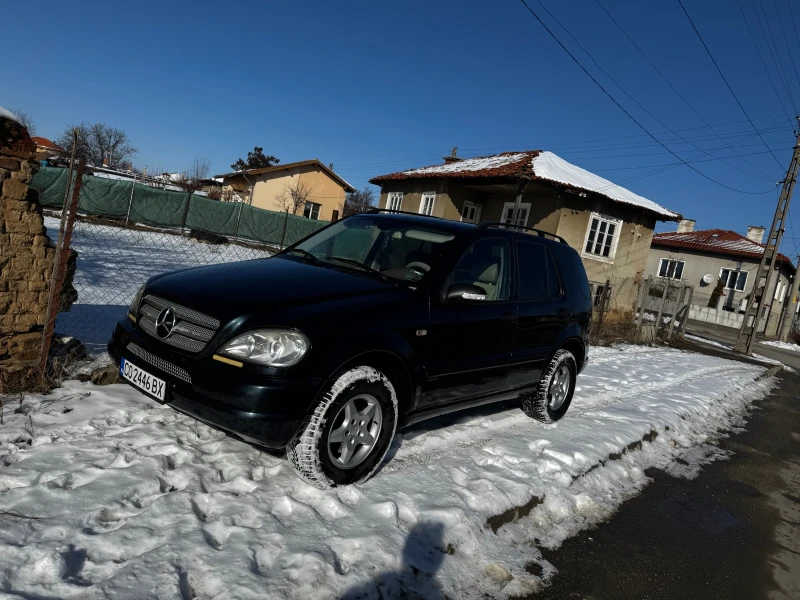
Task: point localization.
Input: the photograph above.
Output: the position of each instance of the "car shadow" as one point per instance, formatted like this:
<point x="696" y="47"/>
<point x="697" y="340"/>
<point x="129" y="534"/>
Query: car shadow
<point x="423" y="555"/>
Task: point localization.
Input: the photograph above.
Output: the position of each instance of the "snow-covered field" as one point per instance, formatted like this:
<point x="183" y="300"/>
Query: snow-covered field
<point x="113" y="262"/>
<point x="106" y="494"/>
<point x="783" y="346"/>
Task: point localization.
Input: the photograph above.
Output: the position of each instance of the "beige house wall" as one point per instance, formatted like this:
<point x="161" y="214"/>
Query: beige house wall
<point x="267" y="187"/>
<point x="698" y="264"/>
<point x="567" y="215"/>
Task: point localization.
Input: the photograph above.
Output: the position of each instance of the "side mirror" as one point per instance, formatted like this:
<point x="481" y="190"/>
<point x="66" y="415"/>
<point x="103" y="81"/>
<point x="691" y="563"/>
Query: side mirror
<point x="465" y="293"/>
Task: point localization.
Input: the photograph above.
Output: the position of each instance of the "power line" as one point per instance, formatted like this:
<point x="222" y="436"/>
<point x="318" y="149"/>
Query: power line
<point x="692" y="161"/>
<point x="785" y="40"/>
<point x="730" y="89"/>
<point x="629" y="115"/>
<point x="667" y="81"/>
<point x="614" y="81"/>
<point x="776" y="59"/>
<point x="761" y="58"/>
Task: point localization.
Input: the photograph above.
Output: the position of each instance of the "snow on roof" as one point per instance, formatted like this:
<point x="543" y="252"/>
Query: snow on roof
<point x="547" y="165"/>
<point x="533" y="164"/>
<point x="7" y="114"/>
<point x="717" y="241"/>
<point x="482" y="163"/>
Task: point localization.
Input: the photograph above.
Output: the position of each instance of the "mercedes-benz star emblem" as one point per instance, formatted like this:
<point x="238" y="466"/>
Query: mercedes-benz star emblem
<point x="165" y="323"/>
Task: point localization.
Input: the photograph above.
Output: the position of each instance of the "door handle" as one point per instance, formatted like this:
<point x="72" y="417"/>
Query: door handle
<point x="508" y="316"/>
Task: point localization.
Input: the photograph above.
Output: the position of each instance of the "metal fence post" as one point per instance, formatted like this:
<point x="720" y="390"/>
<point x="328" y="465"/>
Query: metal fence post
<point x="677" y="310"/>
<point x="238" y="220"/>
<point x="285" y="221"/>
<point x="60" y="258"/>
<point x="603" y="307"/>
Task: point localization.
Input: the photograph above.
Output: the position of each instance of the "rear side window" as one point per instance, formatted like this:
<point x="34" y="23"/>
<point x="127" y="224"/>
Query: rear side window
<point x="532" y="271"/>
<point x="538" y="274"/>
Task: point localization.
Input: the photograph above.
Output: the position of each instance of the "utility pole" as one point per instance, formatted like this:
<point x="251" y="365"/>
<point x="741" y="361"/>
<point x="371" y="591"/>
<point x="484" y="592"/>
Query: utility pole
<point x="790" y="309"/>
<point x="749" y="330"/>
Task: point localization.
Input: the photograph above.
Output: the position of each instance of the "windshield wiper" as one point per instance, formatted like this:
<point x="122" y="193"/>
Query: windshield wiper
<point x="360" y="265"/>
<point x="304" y="253"/>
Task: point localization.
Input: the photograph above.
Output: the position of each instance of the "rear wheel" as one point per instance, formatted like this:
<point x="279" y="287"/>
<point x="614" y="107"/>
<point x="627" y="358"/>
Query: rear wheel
<point x="554" y="393"/>
<point x="347" y="435"/>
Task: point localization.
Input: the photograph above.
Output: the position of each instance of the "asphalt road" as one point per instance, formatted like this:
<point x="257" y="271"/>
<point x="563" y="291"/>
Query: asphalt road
<point x="726" y="335"/>
<point x="731" y="533"/>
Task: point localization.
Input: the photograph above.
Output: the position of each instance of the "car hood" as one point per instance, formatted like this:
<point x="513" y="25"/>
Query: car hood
<point x="232" y="290"/>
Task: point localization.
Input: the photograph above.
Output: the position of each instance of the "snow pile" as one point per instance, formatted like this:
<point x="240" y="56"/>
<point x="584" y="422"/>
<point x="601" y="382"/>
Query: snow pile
<point x="7" y="114"/>
<point x="113" y="262"/>
<point x="471" y="164"/>
<point x="783" y="346"/>
<point x="101" y="486"/>
<point x="554" y="168"/>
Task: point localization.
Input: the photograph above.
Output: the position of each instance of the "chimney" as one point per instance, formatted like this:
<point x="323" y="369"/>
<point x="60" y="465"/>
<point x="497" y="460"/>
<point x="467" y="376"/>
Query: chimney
<point x="755" y="234"/>
<point x="453" y="156"/>
<point x="330" y="167"/>
<point x="105" y="162"/>
<point x="686" y="226"/>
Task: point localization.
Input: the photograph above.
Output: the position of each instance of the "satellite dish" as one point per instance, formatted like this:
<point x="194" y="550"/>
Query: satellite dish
<point x="708" y="278"/>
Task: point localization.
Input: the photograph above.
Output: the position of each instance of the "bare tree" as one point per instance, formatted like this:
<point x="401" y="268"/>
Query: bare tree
<point x="193" y="177"/>
<point x="357" y="202"/>
<point x="101" y="144"/>
<point x="26" y="119"/>
<point x="294" y="196"/>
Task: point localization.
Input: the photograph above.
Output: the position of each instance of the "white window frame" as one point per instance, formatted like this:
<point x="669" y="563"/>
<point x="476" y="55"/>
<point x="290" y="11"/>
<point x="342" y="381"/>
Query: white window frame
<point x="478" y="208"/>
<point x="738" y="271"/>
<point x="392" y="198"/>
<point x="523" y="206"/>
<point x="614" y="240"/>
<point x="669" y="260"/>
<point x="427" y="210"/>
<point x="310" y="215"/>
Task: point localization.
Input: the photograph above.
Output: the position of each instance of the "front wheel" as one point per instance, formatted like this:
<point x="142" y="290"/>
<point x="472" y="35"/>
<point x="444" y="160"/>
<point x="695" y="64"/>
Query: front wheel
<point x="345" y="438"/>
<point x="554" y="393"/>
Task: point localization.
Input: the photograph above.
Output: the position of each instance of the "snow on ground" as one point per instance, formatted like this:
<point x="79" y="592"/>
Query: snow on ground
<point x="105" y="493"/>
<point x="113" y="262"/>
<point x="783" y="345"/>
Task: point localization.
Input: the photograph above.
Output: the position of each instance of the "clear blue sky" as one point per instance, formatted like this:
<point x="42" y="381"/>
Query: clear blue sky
<point x="375" y="87"/>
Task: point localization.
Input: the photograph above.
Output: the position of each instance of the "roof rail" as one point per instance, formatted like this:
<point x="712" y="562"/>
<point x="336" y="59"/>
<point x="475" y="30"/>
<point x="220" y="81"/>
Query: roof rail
<point x="374" y="211"/>
<point x="539" y="232"/>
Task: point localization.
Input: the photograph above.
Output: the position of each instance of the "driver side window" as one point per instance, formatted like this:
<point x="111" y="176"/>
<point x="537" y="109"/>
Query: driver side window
<point x="485" y="264"/>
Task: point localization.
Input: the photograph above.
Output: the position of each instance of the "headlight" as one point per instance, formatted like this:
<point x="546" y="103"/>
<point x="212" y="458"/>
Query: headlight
<point x="271" y="347"/>
<point x="137" y="299"/>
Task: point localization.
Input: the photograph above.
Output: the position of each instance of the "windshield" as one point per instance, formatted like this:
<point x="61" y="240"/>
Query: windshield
<point x="387" y="248"/>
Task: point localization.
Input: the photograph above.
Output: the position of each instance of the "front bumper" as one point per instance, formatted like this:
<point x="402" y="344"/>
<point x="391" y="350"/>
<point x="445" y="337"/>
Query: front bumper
<point x="258" y="408"/>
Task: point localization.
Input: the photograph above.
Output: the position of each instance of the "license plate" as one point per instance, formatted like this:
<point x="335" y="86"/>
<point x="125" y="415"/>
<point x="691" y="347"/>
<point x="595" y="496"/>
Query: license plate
<point x="143" y="380"/>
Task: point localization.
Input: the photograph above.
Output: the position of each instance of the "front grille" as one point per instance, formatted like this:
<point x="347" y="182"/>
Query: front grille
<point x="159" y="363"/>
<point x="192" y="331"/>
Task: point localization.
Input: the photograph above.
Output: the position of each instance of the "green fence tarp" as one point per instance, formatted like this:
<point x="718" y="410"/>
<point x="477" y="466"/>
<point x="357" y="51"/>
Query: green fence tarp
<point x="50" y="184"/>
<point x="165" y="208"/>
<point x="153" y="206"/>
<point x="213" y="216"/>
<point x="107" y="197"/>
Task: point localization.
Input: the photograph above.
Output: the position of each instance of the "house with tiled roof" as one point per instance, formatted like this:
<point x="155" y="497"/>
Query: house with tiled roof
<point x="608" y="224"/>
<point x="722" y="266"/>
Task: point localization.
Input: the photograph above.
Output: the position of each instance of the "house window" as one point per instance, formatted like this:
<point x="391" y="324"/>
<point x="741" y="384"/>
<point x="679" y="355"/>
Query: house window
<point x="522" y="214"/>
<point x="311" y="210"/>
<point x="780" y="291"/>
<point x="471" y="213"/>
<point x="671" y="269"/>
<point x="426" y="204"/>
<point x="602" y="237"/>
<point x="733" y="280"/>
<point x="395" y="201"/>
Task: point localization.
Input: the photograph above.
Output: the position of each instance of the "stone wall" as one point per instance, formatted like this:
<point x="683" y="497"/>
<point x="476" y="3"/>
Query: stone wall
<point x="26" y="261"/>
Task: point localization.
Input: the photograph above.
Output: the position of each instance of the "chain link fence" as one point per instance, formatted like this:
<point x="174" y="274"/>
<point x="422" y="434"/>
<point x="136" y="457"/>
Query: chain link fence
<point x="120" y="236"/>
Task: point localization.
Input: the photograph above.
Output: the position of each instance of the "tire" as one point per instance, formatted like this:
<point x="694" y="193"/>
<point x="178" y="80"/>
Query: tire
<point x="322" y="462"/>
<point x="548" y="407"/>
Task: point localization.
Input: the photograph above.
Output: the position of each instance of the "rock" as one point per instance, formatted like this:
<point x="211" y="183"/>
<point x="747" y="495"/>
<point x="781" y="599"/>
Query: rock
<point x="499" y="573"/>
<point x="105" y="375"/>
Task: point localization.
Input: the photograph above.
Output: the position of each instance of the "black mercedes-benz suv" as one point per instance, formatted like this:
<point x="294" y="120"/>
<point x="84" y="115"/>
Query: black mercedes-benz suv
<point x="375" y="322"/>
